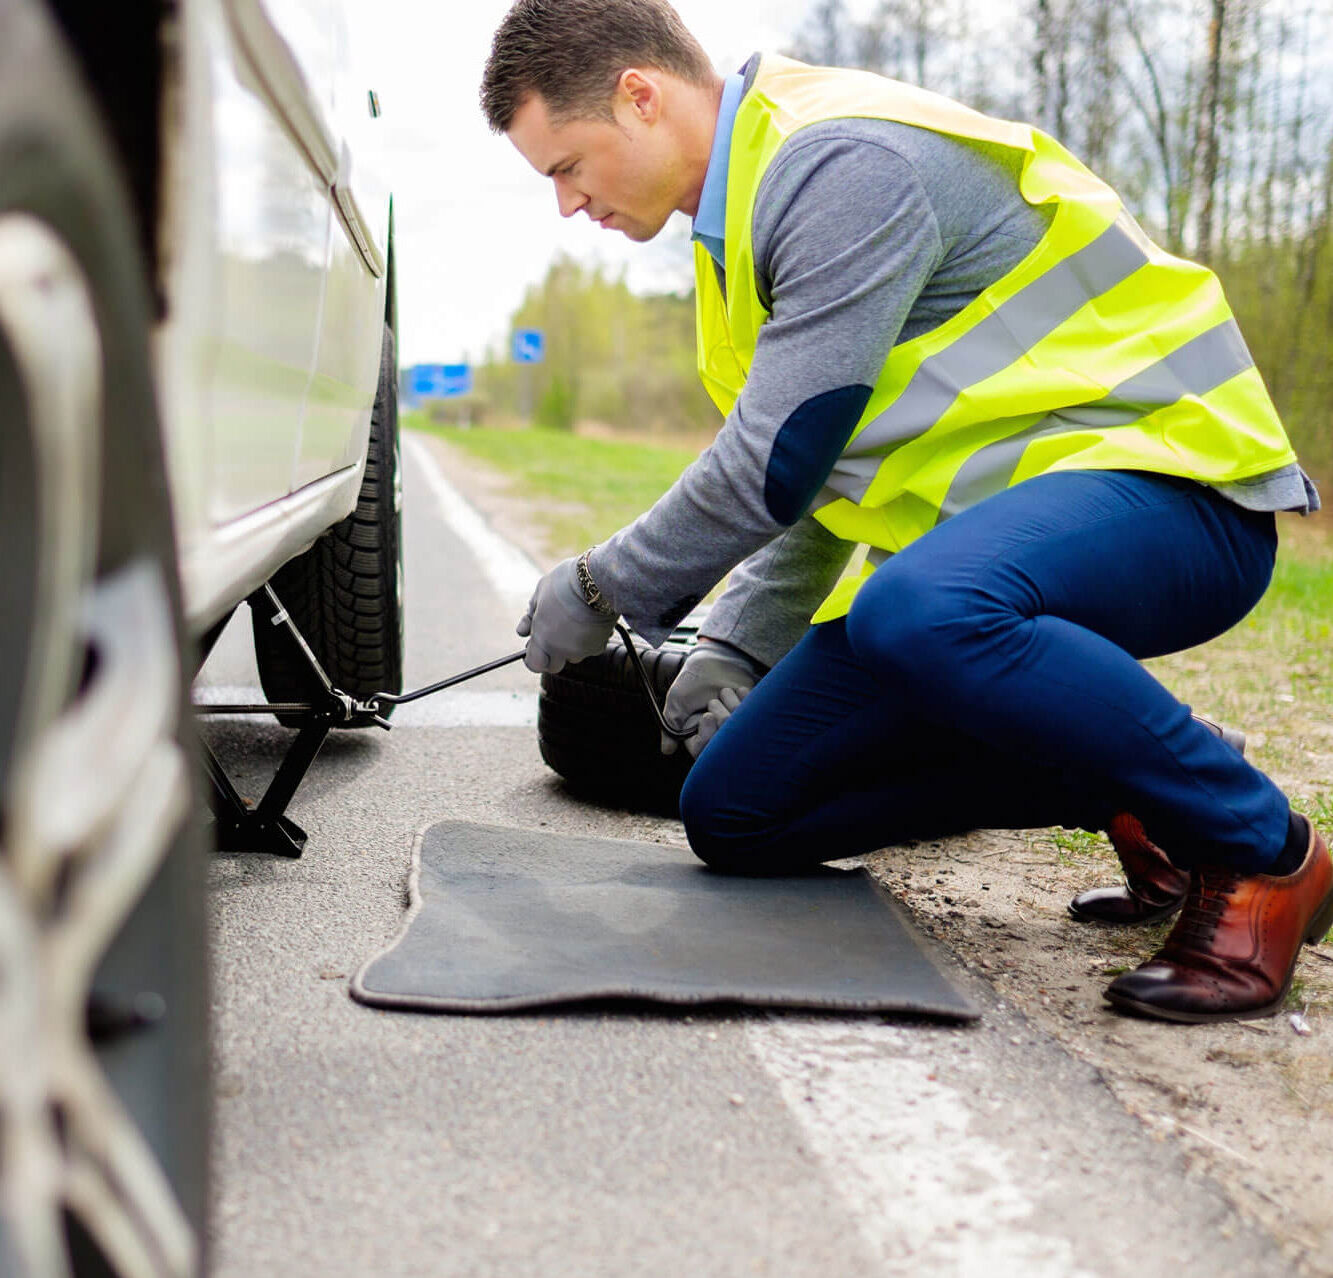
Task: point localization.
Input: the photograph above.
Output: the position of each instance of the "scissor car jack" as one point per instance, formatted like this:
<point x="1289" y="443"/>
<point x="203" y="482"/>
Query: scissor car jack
<point x="265" y="827"/>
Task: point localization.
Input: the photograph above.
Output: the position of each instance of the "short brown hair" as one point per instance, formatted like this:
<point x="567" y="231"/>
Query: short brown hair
<point x="571" y="53"/>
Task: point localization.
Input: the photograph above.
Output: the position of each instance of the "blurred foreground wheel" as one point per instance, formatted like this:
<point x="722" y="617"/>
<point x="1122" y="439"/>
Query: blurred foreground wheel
<point x="103" y="998"/>
<point x="596" y="729"/>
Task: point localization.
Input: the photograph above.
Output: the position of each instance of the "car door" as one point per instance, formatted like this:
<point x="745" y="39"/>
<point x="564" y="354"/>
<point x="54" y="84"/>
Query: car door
<point x="271" y="80"/>
<point x="342" y="390"/>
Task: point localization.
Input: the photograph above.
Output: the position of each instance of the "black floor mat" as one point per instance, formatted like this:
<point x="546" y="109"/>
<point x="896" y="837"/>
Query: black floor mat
<point x="505" y="919"/>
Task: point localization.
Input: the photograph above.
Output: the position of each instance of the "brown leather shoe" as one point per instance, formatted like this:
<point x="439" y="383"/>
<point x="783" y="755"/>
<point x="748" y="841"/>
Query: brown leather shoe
<point x="1233" y="950"/>
<point x="1153" y="889"/>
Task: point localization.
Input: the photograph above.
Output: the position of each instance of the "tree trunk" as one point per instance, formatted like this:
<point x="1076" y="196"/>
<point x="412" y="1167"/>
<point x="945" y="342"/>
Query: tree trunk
<point x="1296" y="166"/>
<point x="1041" y="58"/>
<point x="1250" y="96"/>
<point x="1151" y="103"/>
<point x="1207" y="138"/>
<point x="872" y="40"/>
<point x="921" y="39"/>
<point x="1272" y="177"/>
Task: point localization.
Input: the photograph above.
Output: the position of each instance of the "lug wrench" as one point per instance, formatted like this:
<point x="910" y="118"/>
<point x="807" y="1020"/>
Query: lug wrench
<point x="372" y="704"/>
<point x="243" y="827"/>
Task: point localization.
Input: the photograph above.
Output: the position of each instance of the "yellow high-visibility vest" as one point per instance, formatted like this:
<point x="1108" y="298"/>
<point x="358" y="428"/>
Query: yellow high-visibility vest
<point x="1098" y="351"/>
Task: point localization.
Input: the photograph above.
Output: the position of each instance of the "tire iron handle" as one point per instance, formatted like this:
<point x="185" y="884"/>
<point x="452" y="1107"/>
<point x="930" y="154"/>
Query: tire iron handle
<point x="372" y="704"/>
<point x="637" y="662"/>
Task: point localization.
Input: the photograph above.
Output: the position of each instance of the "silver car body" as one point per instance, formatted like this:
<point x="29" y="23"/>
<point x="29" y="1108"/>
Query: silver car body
<point x="274" y="244"/>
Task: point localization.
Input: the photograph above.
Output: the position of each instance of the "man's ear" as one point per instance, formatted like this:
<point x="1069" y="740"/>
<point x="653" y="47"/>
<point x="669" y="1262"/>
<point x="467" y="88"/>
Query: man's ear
<point x="641" y="91"/>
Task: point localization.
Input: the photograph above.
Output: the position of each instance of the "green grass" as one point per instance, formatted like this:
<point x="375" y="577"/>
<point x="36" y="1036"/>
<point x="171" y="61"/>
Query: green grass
<point x="583" y="489"/>
<point x="1295" y="617"/>
<point x="1076" y="847"/>
<point x="1272" y="675"/>
<point x="1318" y="807"/>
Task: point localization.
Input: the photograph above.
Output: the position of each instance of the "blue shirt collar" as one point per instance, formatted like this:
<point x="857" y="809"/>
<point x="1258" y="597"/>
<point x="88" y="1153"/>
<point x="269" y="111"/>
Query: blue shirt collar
<point x="710" y="222"/>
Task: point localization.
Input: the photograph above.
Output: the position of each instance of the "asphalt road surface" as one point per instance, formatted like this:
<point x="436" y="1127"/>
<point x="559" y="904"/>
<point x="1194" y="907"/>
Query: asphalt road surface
<point x="353" y="1142"/>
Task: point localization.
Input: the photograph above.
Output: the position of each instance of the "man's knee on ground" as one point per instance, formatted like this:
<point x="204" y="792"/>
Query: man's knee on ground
<point x="722" y="836"/>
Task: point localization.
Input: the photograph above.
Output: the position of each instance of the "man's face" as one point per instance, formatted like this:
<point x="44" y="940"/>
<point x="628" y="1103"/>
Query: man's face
<point x="622" y="174"/>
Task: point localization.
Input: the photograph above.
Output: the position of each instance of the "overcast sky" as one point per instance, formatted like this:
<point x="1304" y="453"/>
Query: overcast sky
<point x="475" y="225"/>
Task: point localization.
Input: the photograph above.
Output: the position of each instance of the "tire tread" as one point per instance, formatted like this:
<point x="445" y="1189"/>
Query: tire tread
<point x="596" y="729"/>
<point x="343" y="593"/>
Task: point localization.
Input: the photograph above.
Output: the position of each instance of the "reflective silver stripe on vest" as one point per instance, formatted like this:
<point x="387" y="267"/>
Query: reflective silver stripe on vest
<point x="1202" y="364"/>
<point x="1015" y="326"/>
<point x="1199" y="366"/>
<point x="851" y="477"/>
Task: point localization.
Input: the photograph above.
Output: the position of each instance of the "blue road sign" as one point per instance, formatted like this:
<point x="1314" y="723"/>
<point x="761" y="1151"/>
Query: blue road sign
<point x="439" y="381"/>
<point x="529" y="345"/>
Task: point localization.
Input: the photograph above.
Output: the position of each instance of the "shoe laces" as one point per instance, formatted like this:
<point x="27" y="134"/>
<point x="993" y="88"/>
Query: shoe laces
<point x="1209" y="895"/>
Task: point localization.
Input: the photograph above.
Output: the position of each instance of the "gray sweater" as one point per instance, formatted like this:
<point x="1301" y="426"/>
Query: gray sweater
<point x="866" y="233"/>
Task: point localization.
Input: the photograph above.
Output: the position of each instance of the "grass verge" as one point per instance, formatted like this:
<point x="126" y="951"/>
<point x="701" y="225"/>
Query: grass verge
<point x="582" y="489"/>
<point x="1272" y="675"/>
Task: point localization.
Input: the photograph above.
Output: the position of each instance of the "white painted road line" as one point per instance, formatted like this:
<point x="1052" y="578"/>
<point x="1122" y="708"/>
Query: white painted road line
<point x="931" y="1194"/>
<point x="510" y="571"/>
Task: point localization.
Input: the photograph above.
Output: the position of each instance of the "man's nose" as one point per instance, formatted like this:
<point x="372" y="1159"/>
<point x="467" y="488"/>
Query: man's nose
<point x="568" y="197"/>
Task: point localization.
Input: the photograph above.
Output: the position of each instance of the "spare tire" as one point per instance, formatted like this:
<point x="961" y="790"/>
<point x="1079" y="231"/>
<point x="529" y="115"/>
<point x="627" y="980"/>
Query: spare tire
<point x="596" y="729"/>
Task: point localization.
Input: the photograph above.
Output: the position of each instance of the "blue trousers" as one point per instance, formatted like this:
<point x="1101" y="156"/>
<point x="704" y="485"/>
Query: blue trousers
<point x="988" y="676"/>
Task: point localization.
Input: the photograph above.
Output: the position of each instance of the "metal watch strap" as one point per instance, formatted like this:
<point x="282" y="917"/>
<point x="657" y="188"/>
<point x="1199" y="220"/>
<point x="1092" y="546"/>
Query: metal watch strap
<point x="591" y="595"/>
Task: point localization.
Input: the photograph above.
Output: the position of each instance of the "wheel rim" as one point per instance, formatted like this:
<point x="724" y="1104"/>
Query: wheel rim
<point x="99" y="705"/>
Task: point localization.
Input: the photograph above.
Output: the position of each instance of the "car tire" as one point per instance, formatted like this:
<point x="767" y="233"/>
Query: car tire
<point x="596" y="729"/>
<point x="345" y="593"/>
<point x="103" y="980"/>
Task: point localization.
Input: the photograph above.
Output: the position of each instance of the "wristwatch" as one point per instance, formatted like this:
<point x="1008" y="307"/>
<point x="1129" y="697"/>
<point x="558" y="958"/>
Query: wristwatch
<point x="591" y="595"/>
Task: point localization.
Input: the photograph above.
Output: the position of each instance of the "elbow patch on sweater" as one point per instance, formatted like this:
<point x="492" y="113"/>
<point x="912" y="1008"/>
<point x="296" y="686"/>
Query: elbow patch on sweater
<point x="806" y="447"/>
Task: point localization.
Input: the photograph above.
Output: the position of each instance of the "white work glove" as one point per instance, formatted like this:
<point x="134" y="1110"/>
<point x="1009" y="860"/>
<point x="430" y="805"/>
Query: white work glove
<point x="560" y="625"/>
<point x="711" y="683"/>
<point x="718" y="712"/>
